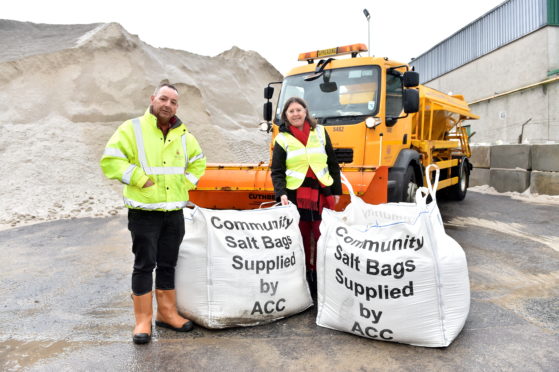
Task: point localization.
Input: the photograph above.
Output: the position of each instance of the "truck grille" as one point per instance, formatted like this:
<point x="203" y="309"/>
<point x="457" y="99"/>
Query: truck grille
<point x="344" y="155"/>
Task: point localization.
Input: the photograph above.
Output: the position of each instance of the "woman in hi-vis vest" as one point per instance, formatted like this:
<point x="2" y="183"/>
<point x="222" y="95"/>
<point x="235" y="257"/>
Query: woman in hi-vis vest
<point x="305" y="171"/>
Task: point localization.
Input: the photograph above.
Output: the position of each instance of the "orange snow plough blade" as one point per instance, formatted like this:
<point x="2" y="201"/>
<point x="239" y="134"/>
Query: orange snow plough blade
<point x="247" y="186"/>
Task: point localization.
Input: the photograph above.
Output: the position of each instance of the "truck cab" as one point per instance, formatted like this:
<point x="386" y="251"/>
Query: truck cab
<point x="371" y="108"/>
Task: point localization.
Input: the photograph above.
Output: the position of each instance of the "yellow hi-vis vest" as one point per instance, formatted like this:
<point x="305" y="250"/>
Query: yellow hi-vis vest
<point x="138" y="151"/>
<point x="300" y="157"/>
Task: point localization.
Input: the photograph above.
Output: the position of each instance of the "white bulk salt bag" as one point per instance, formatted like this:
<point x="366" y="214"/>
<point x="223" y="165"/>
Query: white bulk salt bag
<point x="241" y="268"/>
<point x="390" y="272"/>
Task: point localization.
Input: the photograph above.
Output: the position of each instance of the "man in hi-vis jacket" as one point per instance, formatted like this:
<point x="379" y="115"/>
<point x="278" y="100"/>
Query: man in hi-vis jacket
<point x="158" y="161"/>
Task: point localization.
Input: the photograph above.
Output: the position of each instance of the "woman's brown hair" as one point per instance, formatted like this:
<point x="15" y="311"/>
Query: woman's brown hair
<point x="302" y="102"/>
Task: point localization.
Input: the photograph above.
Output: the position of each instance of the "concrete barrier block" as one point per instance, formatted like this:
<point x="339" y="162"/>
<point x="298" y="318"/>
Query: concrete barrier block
<point x="546" y="183"/>
<point x="481" y="156"/>
<point x="479" y="177"/>
<point x="511" y="157"/>
<point x="504" y="180"/>
<point x="545" y="158"/>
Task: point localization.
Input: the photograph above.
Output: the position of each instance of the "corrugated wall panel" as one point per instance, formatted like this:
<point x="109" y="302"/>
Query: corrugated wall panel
<point x="553" y="12"/>
<point x="500" y="26"/>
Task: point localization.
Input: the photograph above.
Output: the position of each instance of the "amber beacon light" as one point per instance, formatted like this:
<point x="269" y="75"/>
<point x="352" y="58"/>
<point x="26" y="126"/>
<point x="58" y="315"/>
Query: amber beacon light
<point x="338" y="51"/>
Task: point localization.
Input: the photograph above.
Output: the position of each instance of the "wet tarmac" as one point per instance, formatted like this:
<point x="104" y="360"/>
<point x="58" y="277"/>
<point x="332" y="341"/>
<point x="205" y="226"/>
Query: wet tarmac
<point x="65" y="305"/>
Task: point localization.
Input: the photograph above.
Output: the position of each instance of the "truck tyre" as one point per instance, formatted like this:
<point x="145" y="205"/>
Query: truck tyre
<point x="458" y="191"/>
<point x="405" y="170"/>
<point x="410" y="185"/>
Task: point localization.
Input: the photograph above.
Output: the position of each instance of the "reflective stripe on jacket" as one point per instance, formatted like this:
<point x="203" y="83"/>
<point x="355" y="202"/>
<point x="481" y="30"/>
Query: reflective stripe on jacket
<point x="138" y="151"/>
<point x="300" y="157"/>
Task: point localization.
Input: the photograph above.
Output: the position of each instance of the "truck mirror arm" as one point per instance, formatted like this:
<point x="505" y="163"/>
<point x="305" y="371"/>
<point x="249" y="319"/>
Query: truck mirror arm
<point x="319" y="69"/>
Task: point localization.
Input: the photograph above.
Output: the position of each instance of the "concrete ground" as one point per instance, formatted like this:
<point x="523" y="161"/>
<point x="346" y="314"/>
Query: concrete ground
<point x="65" y="305"/>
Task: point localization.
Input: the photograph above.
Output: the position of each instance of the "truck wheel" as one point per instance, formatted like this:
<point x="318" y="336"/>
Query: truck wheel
<point x="409" y="186"/>
<point x="458" y="191"/>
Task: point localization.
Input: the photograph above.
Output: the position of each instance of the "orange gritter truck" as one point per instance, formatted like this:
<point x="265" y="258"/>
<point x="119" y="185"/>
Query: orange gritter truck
<point x="385" y="129"/>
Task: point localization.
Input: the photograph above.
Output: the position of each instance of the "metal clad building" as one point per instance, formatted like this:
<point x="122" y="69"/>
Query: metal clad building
<point x="506" y="66"/>
<point x="504" y="24"/>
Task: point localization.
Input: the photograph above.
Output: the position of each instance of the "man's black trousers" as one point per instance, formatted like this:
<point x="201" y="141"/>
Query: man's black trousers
<point x="156" y="237"/>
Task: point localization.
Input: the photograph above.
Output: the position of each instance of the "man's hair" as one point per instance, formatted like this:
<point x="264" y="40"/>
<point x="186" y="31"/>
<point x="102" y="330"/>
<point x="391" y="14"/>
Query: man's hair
<point x="165" y="85"/>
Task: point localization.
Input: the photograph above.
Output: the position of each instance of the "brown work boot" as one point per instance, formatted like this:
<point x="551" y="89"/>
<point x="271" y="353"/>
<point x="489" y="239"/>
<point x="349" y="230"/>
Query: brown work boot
<point x="167" y="315"/>
<point x="143" y="311"/>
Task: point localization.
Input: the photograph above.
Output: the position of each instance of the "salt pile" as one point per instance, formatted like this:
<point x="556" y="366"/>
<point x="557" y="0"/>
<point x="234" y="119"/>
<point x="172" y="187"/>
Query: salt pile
<point x="65" y="88"/>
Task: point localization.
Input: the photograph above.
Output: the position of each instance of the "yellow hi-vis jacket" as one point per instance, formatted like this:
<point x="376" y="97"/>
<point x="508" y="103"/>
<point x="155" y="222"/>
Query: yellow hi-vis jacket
<point x="301" y="157"/>
<point x="138" y="151"/>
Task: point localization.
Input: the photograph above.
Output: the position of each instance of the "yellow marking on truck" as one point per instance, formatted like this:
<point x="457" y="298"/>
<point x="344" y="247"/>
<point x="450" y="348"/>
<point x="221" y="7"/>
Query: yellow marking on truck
<point x="447" y="163"/>
<point x="327" y="52"/>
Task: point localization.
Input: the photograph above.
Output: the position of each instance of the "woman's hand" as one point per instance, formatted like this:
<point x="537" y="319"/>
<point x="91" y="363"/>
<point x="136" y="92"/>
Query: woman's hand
<point x="284" y="200"/>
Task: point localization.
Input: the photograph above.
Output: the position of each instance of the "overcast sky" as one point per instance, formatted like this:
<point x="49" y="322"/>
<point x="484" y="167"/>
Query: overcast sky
<point x="278" y="30"/>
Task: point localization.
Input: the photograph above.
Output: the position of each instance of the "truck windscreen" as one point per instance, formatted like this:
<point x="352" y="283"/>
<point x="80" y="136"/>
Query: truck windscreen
<point x="339" y="96"/>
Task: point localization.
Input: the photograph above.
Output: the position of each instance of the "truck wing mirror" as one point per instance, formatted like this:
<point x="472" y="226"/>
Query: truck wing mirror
<point x="268" y="92"/>
<point x="268" y="111"/>
<point x="328" y="87"/>
<point x="411" y="79"/>
<point x="411" y="101"/>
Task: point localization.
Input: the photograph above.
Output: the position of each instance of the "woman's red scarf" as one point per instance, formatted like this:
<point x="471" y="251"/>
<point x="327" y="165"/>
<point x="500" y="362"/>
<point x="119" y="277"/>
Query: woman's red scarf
<point x="308" y="197"/>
